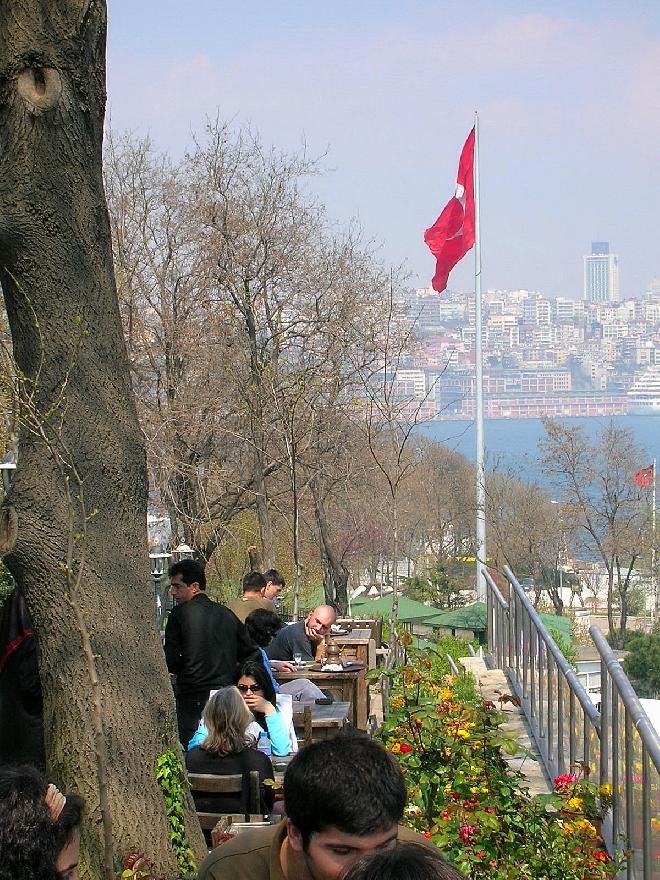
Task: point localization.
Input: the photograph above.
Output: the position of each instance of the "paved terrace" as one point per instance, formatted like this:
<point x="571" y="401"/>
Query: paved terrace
<point x="489" y="682"/>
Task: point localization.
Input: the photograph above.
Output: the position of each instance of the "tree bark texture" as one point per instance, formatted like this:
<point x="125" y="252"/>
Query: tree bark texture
<point x="57" y="278"/>
<point x="336" y="581"/>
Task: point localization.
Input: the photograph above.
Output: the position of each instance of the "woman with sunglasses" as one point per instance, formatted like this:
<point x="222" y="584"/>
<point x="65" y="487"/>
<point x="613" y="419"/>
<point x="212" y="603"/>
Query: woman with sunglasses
<point x="256" y="687"/>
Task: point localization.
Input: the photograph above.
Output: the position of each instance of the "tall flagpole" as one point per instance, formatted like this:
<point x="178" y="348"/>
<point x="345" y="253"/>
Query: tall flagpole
<point x="479" y="396"/>
<point x="655" y="587"/>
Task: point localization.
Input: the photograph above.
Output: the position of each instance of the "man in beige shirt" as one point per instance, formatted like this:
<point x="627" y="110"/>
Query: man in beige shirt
<point x="254" y="587"/>
<point x="344" y="798"/>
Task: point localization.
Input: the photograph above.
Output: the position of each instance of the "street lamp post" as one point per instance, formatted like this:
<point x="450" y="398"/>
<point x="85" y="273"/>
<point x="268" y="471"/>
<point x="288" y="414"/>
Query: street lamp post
<point x="158" y="562"/>
<point x="183" y="551"/>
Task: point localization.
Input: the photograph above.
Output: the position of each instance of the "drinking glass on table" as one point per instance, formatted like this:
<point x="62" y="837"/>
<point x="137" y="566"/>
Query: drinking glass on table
<point x="297" y="659"/>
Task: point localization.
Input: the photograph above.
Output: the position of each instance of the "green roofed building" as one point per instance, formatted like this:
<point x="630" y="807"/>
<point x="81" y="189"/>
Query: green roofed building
<point x="473" y="617"/>
<point x="408" y="610"/>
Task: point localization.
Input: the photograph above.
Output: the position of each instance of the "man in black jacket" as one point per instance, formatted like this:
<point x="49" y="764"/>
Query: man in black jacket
<point x="204" y="642"/>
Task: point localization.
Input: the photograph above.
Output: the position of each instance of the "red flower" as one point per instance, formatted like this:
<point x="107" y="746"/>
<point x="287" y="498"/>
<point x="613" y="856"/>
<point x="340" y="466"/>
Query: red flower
<point x="427" y="835"/>
<point x="405" y="748"/>
<point x="565" y="780"/>
<point x="455" y="795"/>
<point x="602" y="856"/>
<point x="490" y="809"/>
<point x="481" y="853"/>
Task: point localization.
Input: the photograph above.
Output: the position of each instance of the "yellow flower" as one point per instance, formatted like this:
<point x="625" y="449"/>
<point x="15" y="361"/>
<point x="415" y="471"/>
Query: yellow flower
<point x="396" y="748"/>
<point x="605" y="790"/>
<point x="655" y="823"/>
<point x="445" y="695"/>
<point x="462" y="733"/>
<point x="585" y="826"/>
<point x="574" y="804"/>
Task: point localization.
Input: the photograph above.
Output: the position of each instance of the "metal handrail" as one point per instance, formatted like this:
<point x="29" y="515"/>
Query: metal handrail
<point x="566" y="668"/>
<point x="634" y="735"/>
<point x="452" y="665"/>
<point x="619" y="745"/>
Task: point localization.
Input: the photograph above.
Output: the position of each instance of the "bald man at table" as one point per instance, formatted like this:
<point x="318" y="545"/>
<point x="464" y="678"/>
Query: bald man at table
<point x="302" y="637"/>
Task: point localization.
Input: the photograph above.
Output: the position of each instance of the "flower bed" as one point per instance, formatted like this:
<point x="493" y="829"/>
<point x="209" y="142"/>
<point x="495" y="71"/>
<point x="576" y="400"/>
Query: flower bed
<point x="466" y="798"/>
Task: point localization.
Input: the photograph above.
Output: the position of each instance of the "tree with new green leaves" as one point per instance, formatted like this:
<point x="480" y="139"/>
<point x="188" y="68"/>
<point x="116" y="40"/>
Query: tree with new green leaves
<point x="435" y="584"/>
<point x="642" y="663"/>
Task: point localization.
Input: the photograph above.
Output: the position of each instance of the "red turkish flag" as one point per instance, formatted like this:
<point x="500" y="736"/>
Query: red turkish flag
<point x="452" y="234"/>
<point x="644" y="477"/>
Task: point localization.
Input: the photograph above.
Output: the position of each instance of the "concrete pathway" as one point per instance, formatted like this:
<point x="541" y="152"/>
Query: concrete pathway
<point x="489" y="681"/>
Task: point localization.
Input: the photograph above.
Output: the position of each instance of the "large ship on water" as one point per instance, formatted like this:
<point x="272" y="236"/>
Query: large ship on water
<point x="644" y="396"/>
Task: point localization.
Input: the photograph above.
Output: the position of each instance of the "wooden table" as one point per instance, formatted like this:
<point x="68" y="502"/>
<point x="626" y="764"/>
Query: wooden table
<point x="349" y="686"/>
<point x="326" y="720"/>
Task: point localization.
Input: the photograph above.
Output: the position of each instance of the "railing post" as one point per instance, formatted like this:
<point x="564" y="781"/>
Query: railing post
<point x="628" y="759"/>
<point x="646" y="813"/>
<point x="572" y="757"/>
<point x="605" y="725"/>
<point x="561" y="761"/>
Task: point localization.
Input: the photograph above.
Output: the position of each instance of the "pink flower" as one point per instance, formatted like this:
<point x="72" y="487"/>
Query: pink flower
<point x="466" y="832"/>
<point x="490" y="809"/>
<point x="563" y="781"/>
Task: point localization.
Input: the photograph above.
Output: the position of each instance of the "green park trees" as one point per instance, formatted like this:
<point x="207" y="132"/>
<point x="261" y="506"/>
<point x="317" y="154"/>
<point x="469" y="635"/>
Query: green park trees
<point x="642" y="663"/>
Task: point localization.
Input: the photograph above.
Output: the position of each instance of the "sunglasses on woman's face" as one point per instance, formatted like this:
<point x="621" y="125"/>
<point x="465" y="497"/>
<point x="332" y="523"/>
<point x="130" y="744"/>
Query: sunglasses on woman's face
<point x="248" y="688"/>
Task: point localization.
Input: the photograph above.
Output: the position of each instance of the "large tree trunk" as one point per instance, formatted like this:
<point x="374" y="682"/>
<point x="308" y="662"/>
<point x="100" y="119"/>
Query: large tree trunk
<point x="57" y="278"/>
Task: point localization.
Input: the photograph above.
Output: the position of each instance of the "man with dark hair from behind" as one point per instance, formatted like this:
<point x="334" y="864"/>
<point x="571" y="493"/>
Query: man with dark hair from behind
<point x="204" y="642"/>
<point x="344" y="798"/>
<point x="254" y="586"/>
<point x="405" y="861"/>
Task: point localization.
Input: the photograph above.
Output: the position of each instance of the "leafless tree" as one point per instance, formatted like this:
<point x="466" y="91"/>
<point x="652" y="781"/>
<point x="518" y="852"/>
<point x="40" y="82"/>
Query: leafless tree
<point x="602" y="504"/>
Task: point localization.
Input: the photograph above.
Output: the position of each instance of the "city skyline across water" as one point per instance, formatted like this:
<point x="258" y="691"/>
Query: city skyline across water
<point x="515" y="441"/>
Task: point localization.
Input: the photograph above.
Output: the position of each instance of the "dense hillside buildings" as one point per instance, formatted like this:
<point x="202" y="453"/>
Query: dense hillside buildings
<point x="542" y="355"/>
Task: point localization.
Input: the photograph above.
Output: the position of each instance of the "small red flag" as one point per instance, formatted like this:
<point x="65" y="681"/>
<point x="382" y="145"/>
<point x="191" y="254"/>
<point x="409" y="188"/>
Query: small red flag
<point x="644" y="477"/>
<point x="452" y="234"/>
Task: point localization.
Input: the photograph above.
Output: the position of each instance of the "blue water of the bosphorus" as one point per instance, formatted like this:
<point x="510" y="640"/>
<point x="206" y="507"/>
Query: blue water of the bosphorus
<point x="514" y="442"/>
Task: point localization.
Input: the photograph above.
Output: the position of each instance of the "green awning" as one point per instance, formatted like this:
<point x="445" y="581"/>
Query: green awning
<point x="473" y="617"/>
<point x="408" y="608"/>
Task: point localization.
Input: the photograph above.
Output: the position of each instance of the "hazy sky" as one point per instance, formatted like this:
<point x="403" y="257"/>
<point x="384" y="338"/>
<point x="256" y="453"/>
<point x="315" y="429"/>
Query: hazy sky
<point x="568" y="96"/>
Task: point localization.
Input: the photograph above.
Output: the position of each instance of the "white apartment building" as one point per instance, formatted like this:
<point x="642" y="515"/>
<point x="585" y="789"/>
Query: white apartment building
<point x="414" y="380"/>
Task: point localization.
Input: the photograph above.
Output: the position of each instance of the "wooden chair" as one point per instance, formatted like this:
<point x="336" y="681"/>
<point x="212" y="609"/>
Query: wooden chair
<point x="209" y="783"/>
<point x="302" y="721"/>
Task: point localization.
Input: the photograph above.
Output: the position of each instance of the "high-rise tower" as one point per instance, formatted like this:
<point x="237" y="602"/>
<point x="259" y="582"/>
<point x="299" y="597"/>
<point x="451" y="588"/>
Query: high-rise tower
<point x="601" y="274"/>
